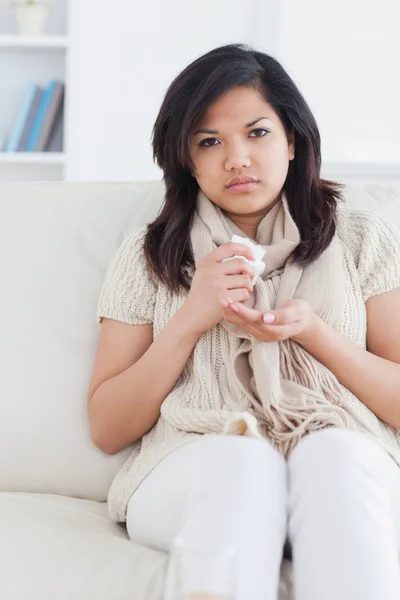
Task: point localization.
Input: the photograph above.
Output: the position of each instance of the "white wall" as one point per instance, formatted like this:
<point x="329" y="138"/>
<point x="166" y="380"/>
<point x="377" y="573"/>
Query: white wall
<point x="343" y="54"/>
<point x="345" y="57"/>
<point x="121" y="65"/>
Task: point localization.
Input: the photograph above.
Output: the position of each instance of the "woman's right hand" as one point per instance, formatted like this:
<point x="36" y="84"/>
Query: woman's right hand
<point x="215" y="281"/>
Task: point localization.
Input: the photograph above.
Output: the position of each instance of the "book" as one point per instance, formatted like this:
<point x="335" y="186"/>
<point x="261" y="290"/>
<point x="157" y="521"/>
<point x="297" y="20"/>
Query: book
<point x="31" y="117"/>
<point x="53" y="110"/>
<point x="40" y="115"/>
<point x="21" y="117"/>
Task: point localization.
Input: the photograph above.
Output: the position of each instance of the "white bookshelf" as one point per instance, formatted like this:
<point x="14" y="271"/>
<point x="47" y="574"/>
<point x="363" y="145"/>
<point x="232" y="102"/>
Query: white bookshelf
<point x="44" y="41"/>
<point x="25" y="59"/>
<point x="32" y="158"/>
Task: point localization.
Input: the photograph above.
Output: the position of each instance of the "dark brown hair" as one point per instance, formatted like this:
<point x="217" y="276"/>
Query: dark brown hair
<point x="312" y="201"/>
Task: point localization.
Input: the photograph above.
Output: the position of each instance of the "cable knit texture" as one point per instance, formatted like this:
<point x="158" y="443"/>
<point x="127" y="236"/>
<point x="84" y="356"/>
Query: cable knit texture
<point x="223" y="388"/>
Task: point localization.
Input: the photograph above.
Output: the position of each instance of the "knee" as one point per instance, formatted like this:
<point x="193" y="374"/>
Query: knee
<point x="245" y="464"/>
<point x="241" y="454"/>
<point x="335" y="475"/>
<point x="336" y="453"/>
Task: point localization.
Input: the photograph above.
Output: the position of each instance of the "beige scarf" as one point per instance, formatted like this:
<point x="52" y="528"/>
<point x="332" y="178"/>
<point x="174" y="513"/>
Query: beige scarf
<point x="288" y="393"/>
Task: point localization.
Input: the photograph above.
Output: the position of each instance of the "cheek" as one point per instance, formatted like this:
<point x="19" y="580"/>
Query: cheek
<point x="205" y="165"/>
<point x="274" y="158"/>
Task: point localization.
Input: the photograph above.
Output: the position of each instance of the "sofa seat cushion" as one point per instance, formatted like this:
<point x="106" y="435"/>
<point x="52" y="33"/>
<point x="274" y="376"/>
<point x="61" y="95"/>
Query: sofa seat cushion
<point x="58" y="547"/>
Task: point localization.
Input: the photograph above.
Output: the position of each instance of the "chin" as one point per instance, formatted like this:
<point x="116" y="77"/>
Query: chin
<point x="246" y="198"/>
<point x="246" y="210"/>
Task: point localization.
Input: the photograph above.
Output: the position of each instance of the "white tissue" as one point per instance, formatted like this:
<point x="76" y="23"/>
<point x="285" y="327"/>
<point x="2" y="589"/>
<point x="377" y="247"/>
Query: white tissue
<point x="257" y="265"/>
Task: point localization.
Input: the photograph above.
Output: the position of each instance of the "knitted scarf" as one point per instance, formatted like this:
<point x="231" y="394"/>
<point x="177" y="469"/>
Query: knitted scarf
<point x="287" y="393"/>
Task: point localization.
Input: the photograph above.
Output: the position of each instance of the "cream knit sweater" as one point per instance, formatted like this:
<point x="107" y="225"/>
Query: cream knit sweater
<point x="371" y="252"/>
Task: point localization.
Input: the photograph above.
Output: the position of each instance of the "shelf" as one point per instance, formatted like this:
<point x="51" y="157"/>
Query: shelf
<point x="32" y="158"/>
<point x="40" y="41"/>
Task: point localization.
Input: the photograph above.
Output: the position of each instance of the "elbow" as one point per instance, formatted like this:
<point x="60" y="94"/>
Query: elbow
<point x="99" y="435"/>
<point x="102" y="442"/>
<point x="108" y="434"/>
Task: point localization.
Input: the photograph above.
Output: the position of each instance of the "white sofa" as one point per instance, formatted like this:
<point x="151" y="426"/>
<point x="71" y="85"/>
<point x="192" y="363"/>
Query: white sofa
<point x="56" y="540"/>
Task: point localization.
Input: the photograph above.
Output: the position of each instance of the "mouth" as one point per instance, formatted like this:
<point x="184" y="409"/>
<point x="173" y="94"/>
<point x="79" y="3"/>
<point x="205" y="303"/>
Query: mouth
<point x="245" y="185"/>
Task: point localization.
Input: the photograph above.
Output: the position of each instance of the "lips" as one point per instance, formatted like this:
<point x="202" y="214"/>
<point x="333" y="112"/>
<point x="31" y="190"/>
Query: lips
<point x="241" y="180"/>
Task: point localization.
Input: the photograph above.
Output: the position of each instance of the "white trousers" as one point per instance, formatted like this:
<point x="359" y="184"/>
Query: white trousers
<point x="337" y="499"/>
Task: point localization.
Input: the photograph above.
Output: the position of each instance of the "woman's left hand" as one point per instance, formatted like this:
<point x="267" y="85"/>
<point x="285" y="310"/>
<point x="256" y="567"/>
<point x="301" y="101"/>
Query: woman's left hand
<point x="294" y="319"/>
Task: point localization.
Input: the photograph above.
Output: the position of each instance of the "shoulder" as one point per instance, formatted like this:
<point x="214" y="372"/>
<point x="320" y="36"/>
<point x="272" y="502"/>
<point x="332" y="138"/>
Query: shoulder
<point x="359" y="221"/>
<point x="133" y="244"/>
<point x="129" y="258"/>
<point x="374" y="243"/>
<point x="129" y="289"/>
<point x="358" y="228"/>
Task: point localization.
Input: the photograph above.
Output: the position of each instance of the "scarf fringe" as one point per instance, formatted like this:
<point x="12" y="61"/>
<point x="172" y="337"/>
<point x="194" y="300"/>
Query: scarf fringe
<point x="290" y="393"/>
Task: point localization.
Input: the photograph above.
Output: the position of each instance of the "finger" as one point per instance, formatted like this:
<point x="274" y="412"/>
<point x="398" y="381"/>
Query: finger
<point x="248" y="314"/>
<point x="279" y="333"/>
<point x="231" y="249"/>
<point x="282" y="316"/>
<point x="234" y="282"/>
<point x="233" y="296"/>
<point x="252" y="328"/>
<point x="236" y="266"/>
<point x="231" y="316"/>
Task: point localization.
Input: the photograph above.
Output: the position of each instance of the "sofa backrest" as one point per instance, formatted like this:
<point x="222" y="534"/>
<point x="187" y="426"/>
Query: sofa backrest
<point x="56" y="242"/>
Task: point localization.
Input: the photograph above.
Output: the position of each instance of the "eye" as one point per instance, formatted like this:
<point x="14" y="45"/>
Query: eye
<point x="207" y="142"/>
<point x="259" y="132"/>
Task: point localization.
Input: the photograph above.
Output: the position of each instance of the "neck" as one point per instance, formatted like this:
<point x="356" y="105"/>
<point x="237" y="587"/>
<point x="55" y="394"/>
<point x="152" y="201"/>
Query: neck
<point x="249" y="223"/>
<point x="249" y="229"/>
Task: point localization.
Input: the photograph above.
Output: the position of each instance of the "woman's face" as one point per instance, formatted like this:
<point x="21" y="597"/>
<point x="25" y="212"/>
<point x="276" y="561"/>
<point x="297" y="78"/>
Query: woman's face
<point x="241" y="136"/>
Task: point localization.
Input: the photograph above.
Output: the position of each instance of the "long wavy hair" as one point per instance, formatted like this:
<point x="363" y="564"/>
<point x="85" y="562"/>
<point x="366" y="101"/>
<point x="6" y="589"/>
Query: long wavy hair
<point x="312" y="201"/>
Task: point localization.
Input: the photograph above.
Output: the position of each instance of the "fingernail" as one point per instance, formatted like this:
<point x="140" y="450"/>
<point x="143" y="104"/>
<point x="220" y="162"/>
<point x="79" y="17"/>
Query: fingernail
<point x="234" y="307"/>
<point x="224" y="303"/>
<point x="268" y="318"/>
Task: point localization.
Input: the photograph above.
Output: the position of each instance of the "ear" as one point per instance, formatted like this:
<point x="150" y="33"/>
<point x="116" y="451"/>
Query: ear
<point x="291" y="145"/>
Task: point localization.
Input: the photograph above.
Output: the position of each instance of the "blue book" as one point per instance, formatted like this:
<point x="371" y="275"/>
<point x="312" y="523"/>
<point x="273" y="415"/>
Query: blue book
<point x="40" y="116"/>
<point x="50" y="118"/>
<point x="29" y="120"/>
<point x="20" y="119"/>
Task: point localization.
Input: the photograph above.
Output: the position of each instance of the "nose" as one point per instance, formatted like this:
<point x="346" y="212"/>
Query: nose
<point x="237" y="157"/>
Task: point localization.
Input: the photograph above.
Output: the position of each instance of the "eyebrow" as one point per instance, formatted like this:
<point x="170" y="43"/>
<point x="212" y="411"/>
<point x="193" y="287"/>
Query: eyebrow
<point x="214" y="131"/>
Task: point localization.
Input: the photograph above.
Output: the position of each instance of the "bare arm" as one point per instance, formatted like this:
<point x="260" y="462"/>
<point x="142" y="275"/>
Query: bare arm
<point x="133" y="375"/>
<point x="372" y="375"/>
<point x="124" y="406"/>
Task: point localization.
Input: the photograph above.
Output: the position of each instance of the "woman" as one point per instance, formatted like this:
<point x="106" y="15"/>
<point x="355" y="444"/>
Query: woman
<point x="192" y="351"/>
